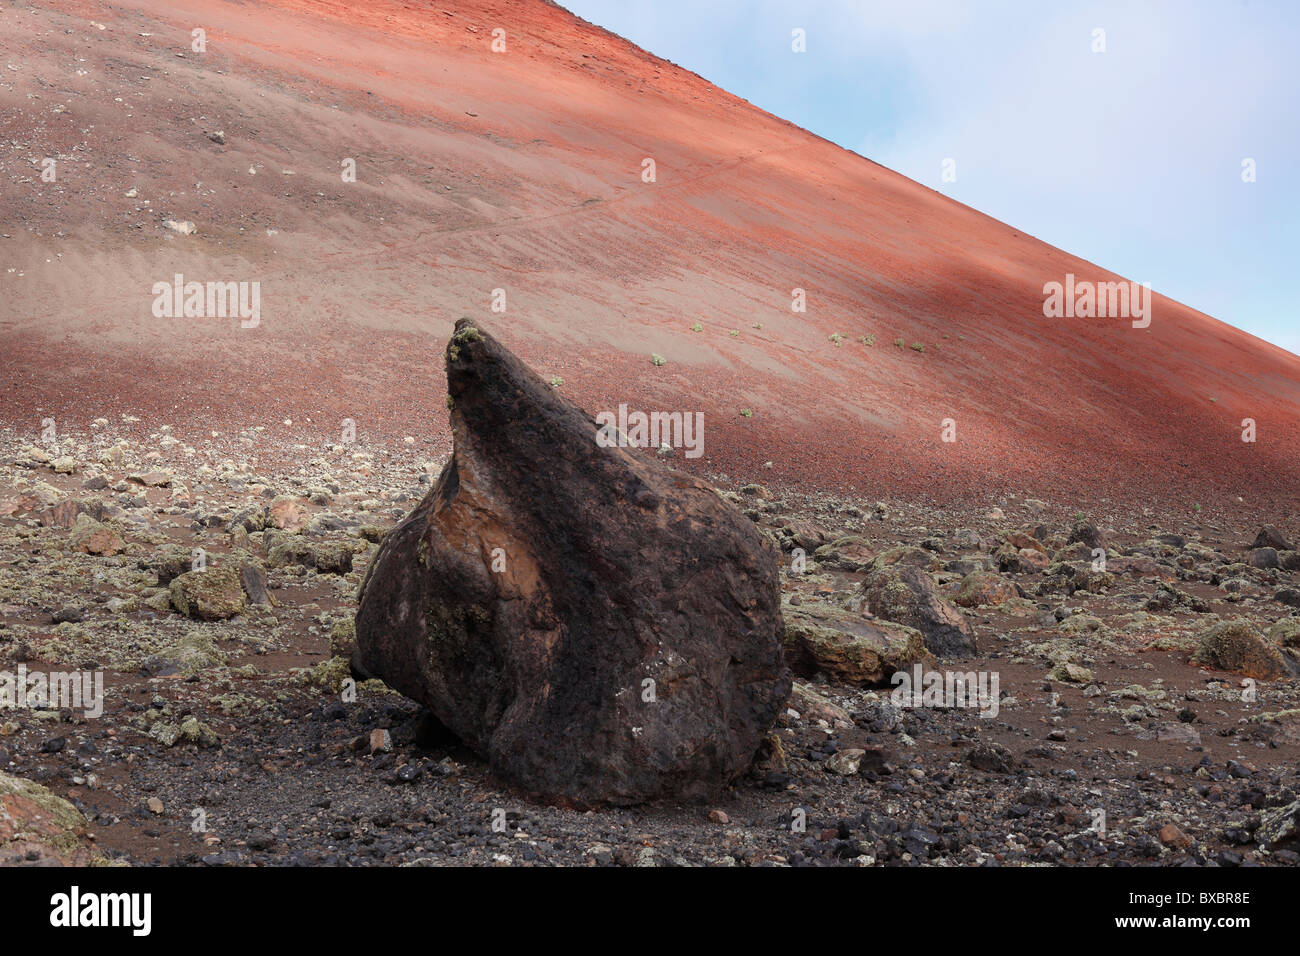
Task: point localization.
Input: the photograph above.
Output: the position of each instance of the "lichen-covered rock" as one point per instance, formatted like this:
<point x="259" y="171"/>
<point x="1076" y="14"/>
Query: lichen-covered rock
<point x="847" y="554"/>
<point x="328" y="557"/>
<point x="1238" y="646"/>
<point x="1279" y="826"/>
<point x="1286" y="632"/>
<point x="36" y="827"/>
<point x="190" y="731"/>
<point x="849" y="648"/>
<point x="599" y="627"/>
<point x="193" y="653"/>
<point x="212" y="594"/>
<point x="908" y="595"/>
<point x="814" y="706"/>
<point x="250" y="519"/>
<point x="1074" y="673"/>
<point x="1081" y="624"/>
<point x="343" y="638"/>
<point x="170" y="563"/>
<point x="984" y="589"/>
<point x="907" y="556"/>
<point x="91" y="537"/>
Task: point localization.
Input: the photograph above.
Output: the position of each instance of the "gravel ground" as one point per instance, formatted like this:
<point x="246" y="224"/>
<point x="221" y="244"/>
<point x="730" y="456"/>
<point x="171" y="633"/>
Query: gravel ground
<point x="241" y="738"/>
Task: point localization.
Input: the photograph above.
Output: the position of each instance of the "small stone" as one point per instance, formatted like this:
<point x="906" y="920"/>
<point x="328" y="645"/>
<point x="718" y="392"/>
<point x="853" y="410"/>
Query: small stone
<point x="155" y="805"/>
<point x="381" y="741"/>
<point x="845" y="762"/>
<point x="286" y="513"/>
<point x="1074" y="673"/>
<point x="1170" y="835"/>
<point x="719" y="816"/>
<point x="152" y="479"/>
<point x="1178" y="734"/>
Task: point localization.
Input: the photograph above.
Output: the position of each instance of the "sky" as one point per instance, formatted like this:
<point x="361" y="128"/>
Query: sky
<point x="1130" y="157"/>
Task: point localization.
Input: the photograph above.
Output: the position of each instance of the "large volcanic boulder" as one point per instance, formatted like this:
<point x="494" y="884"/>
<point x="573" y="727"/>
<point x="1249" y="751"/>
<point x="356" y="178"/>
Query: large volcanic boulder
<point x="599" y="628"/>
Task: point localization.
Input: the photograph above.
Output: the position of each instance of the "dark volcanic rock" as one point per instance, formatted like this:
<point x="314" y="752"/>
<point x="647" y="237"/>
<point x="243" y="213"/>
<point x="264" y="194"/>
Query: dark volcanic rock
<point x="909" y="596"/>
<point x="253" y="577"/>
<point x="1086" y="533"/>
<point x="1270" y="537"/>
<point x="599" y="628"/>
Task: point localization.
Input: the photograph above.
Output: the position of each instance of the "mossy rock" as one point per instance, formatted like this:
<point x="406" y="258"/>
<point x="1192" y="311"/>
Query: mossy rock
<point x="213" y="594"/>
<point x="33" y="821"/>
<point x="195" y="652"/>
<point x="1081" y="624"/>
<point x="328" y="675"/>
<point x="907" y="556"/>
<point x="190" y="731"/>
<point x="343" y="637"/>
<point x="1286" y="632"/>
<point x="160" y="600"/>
<point x="1073" y="673"/>
<point x="237" y="705"/>
<point x="1239" y="647"/>
<point x="329" y="557"/>
<point x="851" y="649"/>
<point x="984" y="589"/>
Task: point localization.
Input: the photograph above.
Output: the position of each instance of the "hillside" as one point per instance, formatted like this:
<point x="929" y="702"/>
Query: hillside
<point x="522" y="171"/>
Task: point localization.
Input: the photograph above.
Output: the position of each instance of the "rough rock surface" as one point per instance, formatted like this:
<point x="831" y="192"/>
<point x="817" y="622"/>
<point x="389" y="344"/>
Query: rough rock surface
<point x="908" y="595"/>
<point x="38" y="828"/>
<point x="212" y="594"/>
<point x="1271" y="537"/>
<point x="849" y="648"/>
<point x="1238" y="646"/>
<point x="542" y="585"/>
<point x="983" y="589"/>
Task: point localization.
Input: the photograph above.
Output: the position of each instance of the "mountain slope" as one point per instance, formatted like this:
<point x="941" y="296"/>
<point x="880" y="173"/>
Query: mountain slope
<point x="522" y="171"/>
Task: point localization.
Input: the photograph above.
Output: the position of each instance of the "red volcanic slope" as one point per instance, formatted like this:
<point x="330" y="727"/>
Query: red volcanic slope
<point x="522" y="171"/>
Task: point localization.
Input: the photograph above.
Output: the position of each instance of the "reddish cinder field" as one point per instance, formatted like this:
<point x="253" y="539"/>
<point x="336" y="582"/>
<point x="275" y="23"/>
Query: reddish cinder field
<point x="522" y="171"/>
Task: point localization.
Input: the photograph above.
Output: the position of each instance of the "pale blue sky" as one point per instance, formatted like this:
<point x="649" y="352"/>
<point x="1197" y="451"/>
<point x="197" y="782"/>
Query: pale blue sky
<point x="1130" y="158"/>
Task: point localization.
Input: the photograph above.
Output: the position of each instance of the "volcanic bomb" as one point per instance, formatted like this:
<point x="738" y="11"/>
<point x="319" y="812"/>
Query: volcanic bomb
<point x="600" y="628"/>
